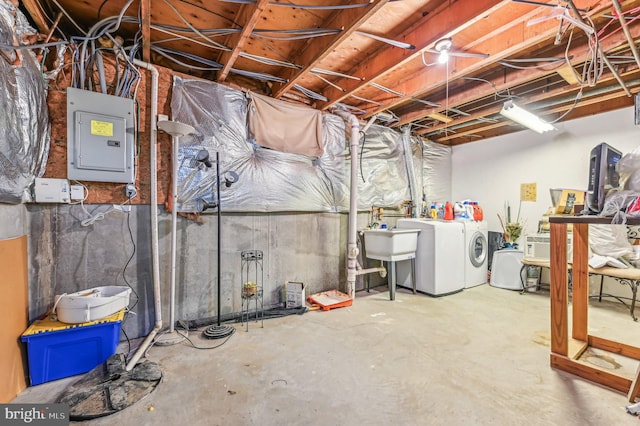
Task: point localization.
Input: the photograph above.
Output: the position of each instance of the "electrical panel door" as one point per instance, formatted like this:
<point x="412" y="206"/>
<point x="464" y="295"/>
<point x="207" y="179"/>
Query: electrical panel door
<point x="101" y="137"/>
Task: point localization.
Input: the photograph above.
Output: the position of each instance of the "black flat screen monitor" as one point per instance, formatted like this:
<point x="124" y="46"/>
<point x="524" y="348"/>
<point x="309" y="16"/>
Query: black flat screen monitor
<point x="603" y="176"/>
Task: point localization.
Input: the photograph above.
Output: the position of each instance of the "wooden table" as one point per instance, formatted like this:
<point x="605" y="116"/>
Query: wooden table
<point x="565" y="351"/>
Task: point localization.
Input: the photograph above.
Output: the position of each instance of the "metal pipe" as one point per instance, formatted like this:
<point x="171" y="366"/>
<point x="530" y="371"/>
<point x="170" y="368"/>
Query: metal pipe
<point x="627" y="33"/>
<point x="155" y="261"/>
<point x="381" y="269"/>
<point x="600" y="51"/>
<point x="352" y="246"/>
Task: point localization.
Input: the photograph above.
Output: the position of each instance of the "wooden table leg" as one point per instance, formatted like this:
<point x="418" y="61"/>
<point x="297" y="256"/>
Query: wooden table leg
<point x="559" y="292"/>
<point x="580" y="292"/>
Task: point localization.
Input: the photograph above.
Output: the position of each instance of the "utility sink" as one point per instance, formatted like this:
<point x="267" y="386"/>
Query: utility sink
<point x="390" y="244"/>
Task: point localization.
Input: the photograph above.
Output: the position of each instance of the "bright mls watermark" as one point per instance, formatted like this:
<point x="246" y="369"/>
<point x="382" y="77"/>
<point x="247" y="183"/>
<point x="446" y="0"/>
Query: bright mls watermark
<point x="34" y="414"/>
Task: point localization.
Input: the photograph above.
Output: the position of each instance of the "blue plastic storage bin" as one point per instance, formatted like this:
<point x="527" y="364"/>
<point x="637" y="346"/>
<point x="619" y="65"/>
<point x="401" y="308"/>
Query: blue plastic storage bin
<point x="56" y="350"/>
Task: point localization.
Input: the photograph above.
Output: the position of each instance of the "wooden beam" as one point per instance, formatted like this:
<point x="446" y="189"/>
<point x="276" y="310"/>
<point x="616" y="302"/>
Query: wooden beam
<point x="248" y="17"/>
<point x="459" y="15"/>
<point x="615" y="347"/>
<point x="145" y="12"/>
<point x="520" y="36"/>
<point x="595" y="100"/>
<point x="37" y="15"/>
<point x="499" y="84"/>
<point x="349" y="20"/>
<point x="592" y="373"/>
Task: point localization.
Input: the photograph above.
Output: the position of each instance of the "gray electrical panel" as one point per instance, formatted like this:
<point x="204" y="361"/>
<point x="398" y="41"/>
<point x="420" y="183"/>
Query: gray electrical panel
<point x="100" y="137"/>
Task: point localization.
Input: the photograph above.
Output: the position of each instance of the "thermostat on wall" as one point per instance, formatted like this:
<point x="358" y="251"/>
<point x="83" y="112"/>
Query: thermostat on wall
<point x="51" y="190"/>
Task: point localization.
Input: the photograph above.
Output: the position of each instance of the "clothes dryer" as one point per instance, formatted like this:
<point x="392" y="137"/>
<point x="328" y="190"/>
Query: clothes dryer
<point x="439" y="265"/>
<point x="476" y="253"/>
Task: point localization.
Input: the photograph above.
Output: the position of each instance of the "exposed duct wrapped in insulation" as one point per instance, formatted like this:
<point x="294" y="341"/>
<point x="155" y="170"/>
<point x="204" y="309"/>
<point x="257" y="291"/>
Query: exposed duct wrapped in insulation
<point x="272" y="180"/>
<point x="436" y="172"/>
<point x="24" y="117"/>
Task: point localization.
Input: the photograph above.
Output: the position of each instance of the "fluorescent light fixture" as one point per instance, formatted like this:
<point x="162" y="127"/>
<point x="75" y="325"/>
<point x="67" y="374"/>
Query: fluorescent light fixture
<point x="524" y="117"/>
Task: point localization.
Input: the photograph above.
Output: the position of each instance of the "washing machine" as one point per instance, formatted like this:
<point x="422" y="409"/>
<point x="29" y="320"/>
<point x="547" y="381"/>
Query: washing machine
<point x="476" y="253"/>
<point x="439" y="266"/>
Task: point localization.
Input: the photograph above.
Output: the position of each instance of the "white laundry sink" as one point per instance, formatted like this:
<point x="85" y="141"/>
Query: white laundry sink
<point x="390" y="244"/>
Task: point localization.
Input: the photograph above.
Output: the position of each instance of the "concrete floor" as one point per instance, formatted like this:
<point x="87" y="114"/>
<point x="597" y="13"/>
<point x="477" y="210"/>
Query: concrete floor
<point x="480" y="357"/>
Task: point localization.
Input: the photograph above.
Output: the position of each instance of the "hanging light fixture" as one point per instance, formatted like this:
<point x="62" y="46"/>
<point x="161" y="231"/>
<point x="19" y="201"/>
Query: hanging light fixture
<point x="442" y="47"/>
<point x="525" y="118"/>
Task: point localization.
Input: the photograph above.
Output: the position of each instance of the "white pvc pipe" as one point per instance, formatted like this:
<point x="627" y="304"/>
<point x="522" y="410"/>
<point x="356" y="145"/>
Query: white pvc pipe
<point x="352" y="246"/>
<point x="155" y="260"/>
<point x="174" y="231"/>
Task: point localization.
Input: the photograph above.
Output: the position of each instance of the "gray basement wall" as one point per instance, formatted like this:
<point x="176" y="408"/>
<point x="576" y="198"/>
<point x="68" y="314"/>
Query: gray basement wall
<point x="66" y="257"/>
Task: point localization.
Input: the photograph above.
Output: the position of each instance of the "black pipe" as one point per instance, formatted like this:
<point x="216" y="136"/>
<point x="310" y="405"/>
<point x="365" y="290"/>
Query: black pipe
<point x="219" y="221"/>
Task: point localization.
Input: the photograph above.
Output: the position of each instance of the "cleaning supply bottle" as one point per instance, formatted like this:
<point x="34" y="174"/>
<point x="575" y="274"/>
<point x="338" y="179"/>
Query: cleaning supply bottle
<point x="433" y="213"/>
<point x="480" y="213"/>
<point x="475" y="211"/>
<point x="448" y="211"/>
<point x="440" y="211"/>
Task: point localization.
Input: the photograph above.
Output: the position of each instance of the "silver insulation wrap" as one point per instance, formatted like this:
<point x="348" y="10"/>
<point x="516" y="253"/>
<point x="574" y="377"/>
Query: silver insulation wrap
<point x="270" y="180"/>
<point x="436" y="172"/>
<point x="24" y="116"/>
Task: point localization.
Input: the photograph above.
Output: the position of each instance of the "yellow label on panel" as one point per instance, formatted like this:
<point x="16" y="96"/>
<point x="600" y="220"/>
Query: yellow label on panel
<point x="101" y="128"/>
<point x="528" y="192"/>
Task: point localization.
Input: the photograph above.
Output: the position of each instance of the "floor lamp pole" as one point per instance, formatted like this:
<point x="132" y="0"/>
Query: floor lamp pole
<point x="219" y="331"/>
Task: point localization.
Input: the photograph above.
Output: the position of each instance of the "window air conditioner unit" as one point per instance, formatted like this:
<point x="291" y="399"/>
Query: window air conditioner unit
<point x="538" y="247"/>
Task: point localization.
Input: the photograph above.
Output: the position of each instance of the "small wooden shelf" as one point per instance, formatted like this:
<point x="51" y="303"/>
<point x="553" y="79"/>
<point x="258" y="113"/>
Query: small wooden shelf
<point x="566" y="351"/>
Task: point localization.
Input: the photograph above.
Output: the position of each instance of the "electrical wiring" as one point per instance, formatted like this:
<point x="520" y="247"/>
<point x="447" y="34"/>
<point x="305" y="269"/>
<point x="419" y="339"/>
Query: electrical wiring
<point x="386" y="89"/>
<point x="259" y="75"/>
<point x="550" y="62"/>
<point x="367" y="100"/>
<point x="187" y="38"/>
<point x="387" y="40"/>
<point x="492" y="84"/>
<point x="166" y="52"/>
<point x="66" y="14"/>
<point x="32" y="46"/>
<point x="183" y="19"/>
<point x="297" y="34"/>
<point x="354" y="110"/>
<point x="327" y="81"/>
<point x="130" y="309"/>
<point x="302" y="6"/>
<point x="206" y="347"/>
<point x="269" y="61"/>
<point x="575" y="102"/>
<point x="310" y="93"/>
<point x="334" y="74"/>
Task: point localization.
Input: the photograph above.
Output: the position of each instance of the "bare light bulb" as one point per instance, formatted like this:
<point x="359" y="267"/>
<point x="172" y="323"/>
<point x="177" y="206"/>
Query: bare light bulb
<point x="444" y="56"/>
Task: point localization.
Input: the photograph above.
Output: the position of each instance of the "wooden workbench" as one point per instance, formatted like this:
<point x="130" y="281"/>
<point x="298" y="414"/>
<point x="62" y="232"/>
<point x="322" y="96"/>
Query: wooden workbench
<point x="565" y="351"/>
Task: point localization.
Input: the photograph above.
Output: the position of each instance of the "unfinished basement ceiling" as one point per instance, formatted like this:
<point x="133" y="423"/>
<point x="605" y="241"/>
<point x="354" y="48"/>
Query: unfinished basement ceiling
<point x="327" y="53"/>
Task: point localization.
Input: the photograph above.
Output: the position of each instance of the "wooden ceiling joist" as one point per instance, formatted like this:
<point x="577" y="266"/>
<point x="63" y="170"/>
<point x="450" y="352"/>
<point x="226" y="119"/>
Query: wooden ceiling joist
<point x="423" y="35"/>
<point x="579" y="54"/>
<point x="349" y="20"/>
<point x="249" y="15"/>
<point x="521" y="37"/>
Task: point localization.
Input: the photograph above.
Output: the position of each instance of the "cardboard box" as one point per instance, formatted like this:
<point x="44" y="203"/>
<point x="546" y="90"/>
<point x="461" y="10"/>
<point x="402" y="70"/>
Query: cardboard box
<point x="293" y="294"/>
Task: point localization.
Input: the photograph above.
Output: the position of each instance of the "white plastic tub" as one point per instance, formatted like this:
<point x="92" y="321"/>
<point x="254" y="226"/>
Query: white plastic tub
<point x="91" y="304"/>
